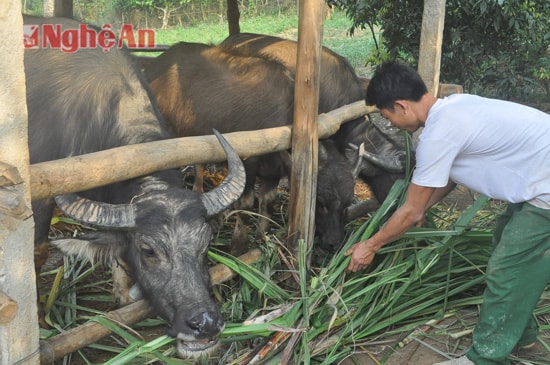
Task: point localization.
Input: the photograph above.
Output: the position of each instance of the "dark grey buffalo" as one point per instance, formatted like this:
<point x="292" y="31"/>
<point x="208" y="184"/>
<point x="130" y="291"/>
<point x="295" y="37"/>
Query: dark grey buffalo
<point x="93" y="100"/>
<point x="199" y="87"/>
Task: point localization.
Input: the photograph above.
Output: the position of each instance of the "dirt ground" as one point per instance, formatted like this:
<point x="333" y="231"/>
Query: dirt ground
<point x="437" y="343"/>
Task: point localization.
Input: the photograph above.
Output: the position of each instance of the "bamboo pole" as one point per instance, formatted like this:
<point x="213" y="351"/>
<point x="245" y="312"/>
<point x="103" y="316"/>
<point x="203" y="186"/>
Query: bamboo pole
<point x="122" y="163"/>
<point x="76" y="338"/>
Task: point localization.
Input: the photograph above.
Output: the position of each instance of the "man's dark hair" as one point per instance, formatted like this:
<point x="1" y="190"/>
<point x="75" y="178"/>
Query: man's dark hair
<point x="394" y="81"/>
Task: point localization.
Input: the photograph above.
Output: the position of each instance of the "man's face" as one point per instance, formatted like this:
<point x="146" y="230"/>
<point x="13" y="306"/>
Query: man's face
<point x="402" y="116"/>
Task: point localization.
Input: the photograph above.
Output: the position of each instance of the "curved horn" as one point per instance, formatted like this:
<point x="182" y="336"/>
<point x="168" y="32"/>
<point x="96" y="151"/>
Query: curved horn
<point x="232" y="186"/>
<point x="389" y="163"/>
<point x="393" y="134"/>
<point x="96" y="214"/>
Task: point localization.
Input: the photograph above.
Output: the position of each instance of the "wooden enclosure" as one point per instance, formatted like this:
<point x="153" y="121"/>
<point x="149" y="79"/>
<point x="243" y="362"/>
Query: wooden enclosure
<point x="20" y="342"/>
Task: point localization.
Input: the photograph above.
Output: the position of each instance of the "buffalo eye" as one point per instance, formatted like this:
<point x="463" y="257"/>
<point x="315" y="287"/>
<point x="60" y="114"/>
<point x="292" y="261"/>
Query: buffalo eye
<point x="148" y="252"/>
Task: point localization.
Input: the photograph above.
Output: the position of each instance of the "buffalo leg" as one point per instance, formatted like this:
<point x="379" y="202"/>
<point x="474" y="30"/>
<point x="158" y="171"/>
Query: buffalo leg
<point x="41" y="254"/>
<point x="239" y="241"/>
<point x="267" y="193"/>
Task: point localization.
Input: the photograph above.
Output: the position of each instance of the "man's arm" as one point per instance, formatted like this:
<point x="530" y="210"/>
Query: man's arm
<point x="440" y="193"/>
<point x="411" y="212"/>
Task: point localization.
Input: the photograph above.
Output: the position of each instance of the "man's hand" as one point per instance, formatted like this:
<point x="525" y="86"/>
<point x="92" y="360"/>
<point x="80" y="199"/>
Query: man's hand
<point x="362" y="254"/>
<point x="410" y="213"/>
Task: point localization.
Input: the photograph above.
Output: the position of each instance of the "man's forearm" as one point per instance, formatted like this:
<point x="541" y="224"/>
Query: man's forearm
<point x="399" y="223"/>
<point x="440" y="193"/>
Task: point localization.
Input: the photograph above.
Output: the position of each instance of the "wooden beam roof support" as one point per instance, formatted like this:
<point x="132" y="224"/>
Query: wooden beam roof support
<point x="431" y="39"/>
<point x="303" y="178"/>
<point x="18" y="322"/>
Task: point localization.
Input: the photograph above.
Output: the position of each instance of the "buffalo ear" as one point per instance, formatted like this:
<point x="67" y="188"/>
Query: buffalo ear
<point x="102" y="246"/>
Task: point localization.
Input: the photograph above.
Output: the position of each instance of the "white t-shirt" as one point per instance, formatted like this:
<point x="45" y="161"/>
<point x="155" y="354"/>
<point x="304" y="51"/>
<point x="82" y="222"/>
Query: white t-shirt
<point x="498" y="148"/>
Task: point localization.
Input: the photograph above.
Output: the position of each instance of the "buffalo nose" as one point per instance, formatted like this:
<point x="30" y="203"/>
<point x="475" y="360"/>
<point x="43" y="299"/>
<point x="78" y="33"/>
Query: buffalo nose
<point x="331" y="248"/>
<point x="172" y="332"/>
<point x="203" y="323"/>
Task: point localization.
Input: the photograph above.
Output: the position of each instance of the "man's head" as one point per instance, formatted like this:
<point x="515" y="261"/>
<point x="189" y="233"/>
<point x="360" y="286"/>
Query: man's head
<point x="400" y="94"/>
<point x="394" y="81"/>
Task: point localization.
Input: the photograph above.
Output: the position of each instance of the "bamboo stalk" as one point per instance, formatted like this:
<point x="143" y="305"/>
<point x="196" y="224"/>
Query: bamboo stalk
<point x="67" y="342"/>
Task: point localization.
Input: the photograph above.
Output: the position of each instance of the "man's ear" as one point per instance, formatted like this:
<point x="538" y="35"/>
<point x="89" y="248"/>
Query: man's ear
<point x="401" y="106"/>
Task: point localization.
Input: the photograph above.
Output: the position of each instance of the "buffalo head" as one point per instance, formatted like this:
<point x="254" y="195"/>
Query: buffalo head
<point x="335" y="188"/>
<point x="163" y="236"/>
<point x="377" y="150"/>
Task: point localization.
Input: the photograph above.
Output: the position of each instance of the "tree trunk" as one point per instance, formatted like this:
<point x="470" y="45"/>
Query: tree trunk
<point x="233" y="16"/>
<point x="62" y="8"/>
<point x="165" y="18"/>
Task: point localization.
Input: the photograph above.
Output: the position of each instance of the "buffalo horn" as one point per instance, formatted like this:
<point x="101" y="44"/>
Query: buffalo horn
<point x="391" y="164"/>
<point x="232" y="186"/>
<point x="95" y="213"/>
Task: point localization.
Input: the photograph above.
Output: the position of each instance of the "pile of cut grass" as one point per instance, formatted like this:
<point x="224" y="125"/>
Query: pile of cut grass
<point x="323" y="315"/>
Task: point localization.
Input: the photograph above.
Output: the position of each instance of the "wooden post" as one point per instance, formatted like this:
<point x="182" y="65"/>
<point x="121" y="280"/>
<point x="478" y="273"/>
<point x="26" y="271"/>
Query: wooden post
<point x="8" y="309"/>
<point x="303" y="178"/>
<point x="19" y="327"/>
<point x="431" y="39"/>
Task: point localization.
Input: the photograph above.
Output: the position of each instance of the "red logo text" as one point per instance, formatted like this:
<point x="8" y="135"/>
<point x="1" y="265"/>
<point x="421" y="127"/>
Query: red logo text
<point x="85" y="37"/>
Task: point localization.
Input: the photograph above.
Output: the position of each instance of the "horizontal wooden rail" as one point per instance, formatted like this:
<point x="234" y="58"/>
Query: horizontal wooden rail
<point x="122" y="163"/>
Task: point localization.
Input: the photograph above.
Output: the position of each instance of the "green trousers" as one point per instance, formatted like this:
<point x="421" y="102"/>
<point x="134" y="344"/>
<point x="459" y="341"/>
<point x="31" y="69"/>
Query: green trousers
<point x="517" y="274"/>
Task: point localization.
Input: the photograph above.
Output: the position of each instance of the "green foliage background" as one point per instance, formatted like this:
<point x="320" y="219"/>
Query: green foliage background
<point x="497" y="48"/>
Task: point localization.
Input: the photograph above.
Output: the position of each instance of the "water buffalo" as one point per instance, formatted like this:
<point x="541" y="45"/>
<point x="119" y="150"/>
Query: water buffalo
<point x="339" y="85"/>
<point x="199" y="87"/>
<point x="93" y="100"/>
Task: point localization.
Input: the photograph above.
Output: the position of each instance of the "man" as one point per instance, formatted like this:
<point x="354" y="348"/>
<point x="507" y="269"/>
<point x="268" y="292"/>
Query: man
<point x="500" y="149"/>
